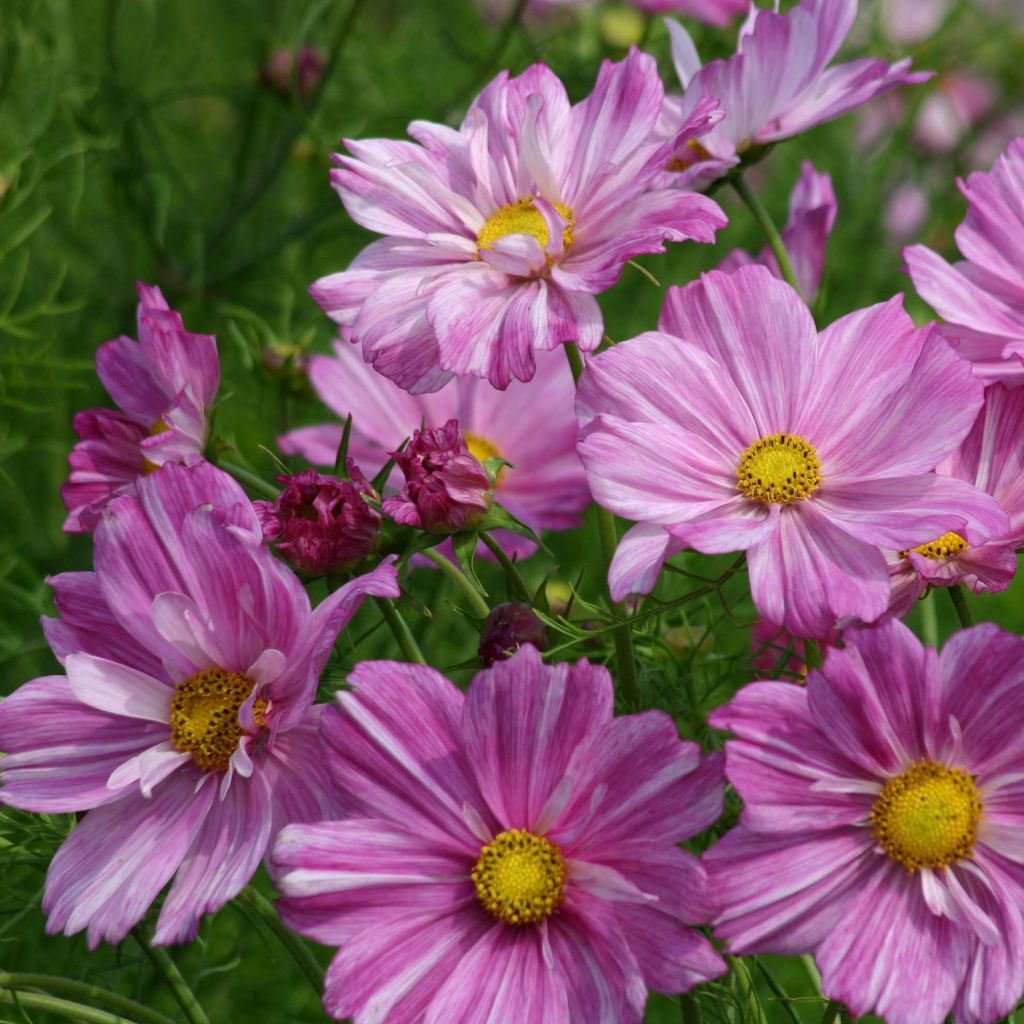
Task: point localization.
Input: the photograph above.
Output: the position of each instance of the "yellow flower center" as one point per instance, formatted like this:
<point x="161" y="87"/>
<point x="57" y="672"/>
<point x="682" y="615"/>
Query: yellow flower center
<point x="928" y="816"/>
<point x="520" y="877"/>
<point x="693" y="153"/>
<point x="204" y="716"/>
<point x="483" y="448"/>
<point x="779" y="469"/>
<point x="522" y="218"/>
<point x="159" y="427"/>
<point x="942" y="547"/>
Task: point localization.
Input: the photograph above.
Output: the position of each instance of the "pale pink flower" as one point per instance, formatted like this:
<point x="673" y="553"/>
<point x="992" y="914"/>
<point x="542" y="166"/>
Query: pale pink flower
<point x="956" y="105"/>
<point x="812" y="212"/>
<point x="777" y="85"/>
<point x="738" y="427"/>
<point x="164" y="384"/>
<point x="185" y="726"/>
<point x="498" y="235"/>
<point x="982" y="297"/>
<point x="512" y="851"/>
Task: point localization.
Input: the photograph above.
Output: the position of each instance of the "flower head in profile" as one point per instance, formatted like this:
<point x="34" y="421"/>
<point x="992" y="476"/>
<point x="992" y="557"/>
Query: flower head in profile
<point x="881" y="828"/>
<point x="543" y="486"/>
<point x="992" y="459"/>
<point x="809" y="451"/>
<point x="812" y="212"/>
<point x="498" y="235"/>
<point x="164" y="384"/>
<point x="512" y="854"/>
<point x="981" y="298"/>
<point x="185" y="726"/>
<point x="321" y="524"/>
<point x="777" y="85"/>
<point x="446" y="487"/>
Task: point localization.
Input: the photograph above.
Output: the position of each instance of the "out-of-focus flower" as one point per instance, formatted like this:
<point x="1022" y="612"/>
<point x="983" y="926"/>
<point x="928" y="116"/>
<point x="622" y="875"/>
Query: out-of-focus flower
<point x="288" y="71"/>
<point x="777" y="85"/>
<point x="958" y="102"/>
<point x="713" y="12"/>
<point x="500" y="234"/>
<point x="512" y="852"/>
<point x="185" y="726"/>
<point x="982" y="297"/>
<point x="909" y="21"/>
<point x="805" y="450"/>
<point x="164" y="383"/>
<point x="508" y="627"/>
<point x="881" y="827"/>
<point x="992" y="458"/>
<point x="812" y="212"/>
<point x="446" y="487"/>
<point x="319" y="523"/>
<point x="905" y="211"/>
<point x="544" y="486"/>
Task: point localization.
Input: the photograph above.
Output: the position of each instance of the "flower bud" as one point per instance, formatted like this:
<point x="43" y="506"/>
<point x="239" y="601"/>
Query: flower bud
<point x="287" y="70"/>
<point x="321" y="524"/>
<point x="446" y="487"/>
<point x="507" y="628"/>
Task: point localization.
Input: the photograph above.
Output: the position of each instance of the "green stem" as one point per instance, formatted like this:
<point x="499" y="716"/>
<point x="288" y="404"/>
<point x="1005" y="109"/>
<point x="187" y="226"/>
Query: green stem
<point x="69" y="986"/>
<point x="173" y="979"/>
<point x="300" y="952"/>
<point x="959" y="599"/>
<point x="623" y="633"/>
<point x="407" y="642"/>
<point x="778" y="992"/>
<point x="833" y="1011"/>
<point x="929" y="620"/>
<point x="446" y="565"/>
<point x="767" y="225"/>
<point x="813" y="657"/>
<point x="518" y="584"/>
<point x="745" y="985"/>
<point x="690" y="1008"/>
<point x="257" y="483"/>
<point x="61" y="1007"/>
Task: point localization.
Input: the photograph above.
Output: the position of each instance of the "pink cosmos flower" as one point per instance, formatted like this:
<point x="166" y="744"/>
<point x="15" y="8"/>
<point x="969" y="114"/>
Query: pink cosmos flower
<point x="544" y="486"/>
<point x="164" y="383"/>
<point x="982" y="297"/>
<point x="185" y="726"/>
<point x="882" y="824"/>
<point x="910" y="21"/>
<point x="512" y="856"/>
<point x="321" y="524"/>
<point x="500" y="234"/>
<point x="757" y="434"/>
<point x="906" y="210"/>
<point x="992" y="458"/>
<point x="446" y="487"/>
<point x="812" y="212"/>
<point x="776" y="86"/>
<point x="958" y="103"/>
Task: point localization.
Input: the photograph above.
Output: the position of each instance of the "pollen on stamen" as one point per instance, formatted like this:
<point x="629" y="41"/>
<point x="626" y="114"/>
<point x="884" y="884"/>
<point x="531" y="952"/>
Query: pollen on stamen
<point x="779" y="469"/>
<point x="204" y="716"/>
<point x="946" y="546"/>
<point x="523" y="218"/>
<point x="520" y="877"/>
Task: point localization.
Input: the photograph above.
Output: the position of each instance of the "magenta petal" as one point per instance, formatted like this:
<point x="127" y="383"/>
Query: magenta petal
<point x="638" y="559"/>
<point x="60" y="753"/>
<point x="889" y="954"/>
<point x="223" y="856"/>
<point x="522" y="723"/>
<point x="810" y="574"/>
<point x="108" y="872"/>
<point x="118" y="689"/>
<point x="777" y="895"/>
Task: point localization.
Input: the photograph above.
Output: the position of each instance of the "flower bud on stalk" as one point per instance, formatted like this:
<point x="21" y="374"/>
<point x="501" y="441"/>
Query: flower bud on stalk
<point x="447" y="489"/>
<point x="507" y="628"/>
<point x="320" y="524"/>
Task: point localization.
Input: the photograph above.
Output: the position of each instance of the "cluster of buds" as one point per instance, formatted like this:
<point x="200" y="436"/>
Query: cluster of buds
<point x="320" y="524"/>
<point x="446" y="487"/>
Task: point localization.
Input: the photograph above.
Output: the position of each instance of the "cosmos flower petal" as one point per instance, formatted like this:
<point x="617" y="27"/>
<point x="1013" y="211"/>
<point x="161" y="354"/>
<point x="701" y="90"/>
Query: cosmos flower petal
<point x="117" y="689"/>
<point x="638" y="559"/>
<point x="119" y="857"/>
<point x="520" y="736"/>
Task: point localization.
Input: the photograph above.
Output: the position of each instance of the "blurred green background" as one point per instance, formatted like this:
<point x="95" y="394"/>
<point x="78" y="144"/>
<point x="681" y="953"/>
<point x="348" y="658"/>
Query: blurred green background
<point x="158" y="140"/>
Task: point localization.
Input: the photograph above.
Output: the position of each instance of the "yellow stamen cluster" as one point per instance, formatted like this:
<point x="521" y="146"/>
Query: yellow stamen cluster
<point x="779" y="469"/>
<point x="942" y="547"/>
<point x="522" y="218"/>
<point x="483" y="448"/>
<point x="204" y="716"/>
<point x="928" y="816"/>
<point x="520" y="877"/>
<point x="159" y="427"/>
<point x="693" y="152"/>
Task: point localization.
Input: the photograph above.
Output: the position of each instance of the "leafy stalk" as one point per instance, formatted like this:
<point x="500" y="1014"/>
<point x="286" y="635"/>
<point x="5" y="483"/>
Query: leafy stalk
<point x="172" y="977"/>
<point x="767" y="225"/>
